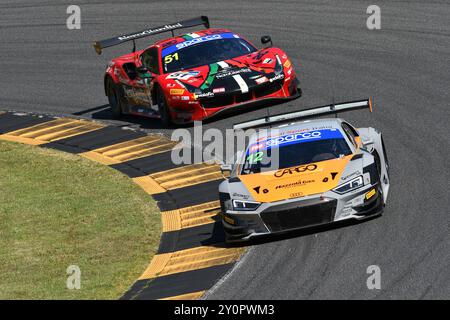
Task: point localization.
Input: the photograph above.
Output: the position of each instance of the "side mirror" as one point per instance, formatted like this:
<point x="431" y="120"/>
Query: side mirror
<point x="368" y="143"/>
<point x="266" y="39"/>
<point x="226" y="169"/>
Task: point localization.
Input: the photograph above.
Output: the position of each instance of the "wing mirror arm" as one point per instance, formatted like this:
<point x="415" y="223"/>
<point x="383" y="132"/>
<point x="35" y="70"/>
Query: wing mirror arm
<point x="368" y="144"/>
<point x="226" y="170"/>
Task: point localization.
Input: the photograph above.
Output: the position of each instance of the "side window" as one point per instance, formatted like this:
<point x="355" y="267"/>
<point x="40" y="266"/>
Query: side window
<point x="149" y="59"/>
<point x="350" y="132"/>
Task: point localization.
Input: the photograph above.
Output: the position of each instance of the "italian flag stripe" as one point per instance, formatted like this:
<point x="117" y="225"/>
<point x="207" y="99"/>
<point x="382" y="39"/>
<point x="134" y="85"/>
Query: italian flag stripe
<point x="212" y="73"/>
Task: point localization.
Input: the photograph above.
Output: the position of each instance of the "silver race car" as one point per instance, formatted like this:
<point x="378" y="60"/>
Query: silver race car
<point x="303" y="173"/>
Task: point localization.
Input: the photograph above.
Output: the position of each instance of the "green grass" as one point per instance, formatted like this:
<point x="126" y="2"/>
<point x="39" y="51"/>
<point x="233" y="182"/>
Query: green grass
<point x="58" y="209"/>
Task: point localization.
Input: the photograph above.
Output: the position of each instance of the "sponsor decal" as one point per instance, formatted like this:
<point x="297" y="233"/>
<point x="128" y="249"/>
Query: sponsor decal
<point x="293" y="138"/>
<point x="183" y="75"/>
<point x="370" y="194"/>
<point x="185" y="98"/>
<point x="267" y="60"/>
<point x="293" y="131"/>
<point x="232" y="73"/>
<point x="298" y="169"/>
<point x="295" y="181"/>
<point x="277" y="77"/>
<point x="295" y="184"/>
<point x="176" y="92"/>
<point x="218" y="90"/>
<point x="188" y="43"/>
<point x="171" y="85"/>
<point x="241" y="196"/>
<point x="150" y="31"/>
<point x="287" y="64"/>
<point x="261" y="80"/>
<point x="203" y="95"/>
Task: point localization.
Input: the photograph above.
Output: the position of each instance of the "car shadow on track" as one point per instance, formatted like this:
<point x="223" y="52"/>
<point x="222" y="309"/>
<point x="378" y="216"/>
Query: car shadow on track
<point x="301" y="233"/>
<point x="103" y="112"/>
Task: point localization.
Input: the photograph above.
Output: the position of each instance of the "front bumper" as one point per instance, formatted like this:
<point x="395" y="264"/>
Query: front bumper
<point x="199" y="110"/>
<point x="302" y="213"/>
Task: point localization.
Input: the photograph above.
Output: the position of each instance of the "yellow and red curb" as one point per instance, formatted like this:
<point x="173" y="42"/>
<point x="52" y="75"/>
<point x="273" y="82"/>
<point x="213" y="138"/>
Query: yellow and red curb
<point x="192" y="255"/>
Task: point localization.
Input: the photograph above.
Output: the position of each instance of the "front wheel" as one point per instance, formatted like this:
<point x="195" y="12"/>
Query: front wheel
<point x="163" y="108"/>
<point x="115" y="99"/>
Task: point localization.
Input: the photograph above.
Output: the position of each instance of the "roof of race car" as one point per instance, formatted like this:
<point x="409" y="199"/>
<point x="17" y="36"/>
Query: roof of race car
<point x="296" y="127"/>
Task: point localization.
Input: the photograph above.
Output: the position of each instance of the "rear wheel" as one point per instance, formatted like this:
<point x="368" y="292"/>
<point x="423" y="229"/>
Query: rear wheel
<point x="115" y="98"/>
<point x="163" y="108"/>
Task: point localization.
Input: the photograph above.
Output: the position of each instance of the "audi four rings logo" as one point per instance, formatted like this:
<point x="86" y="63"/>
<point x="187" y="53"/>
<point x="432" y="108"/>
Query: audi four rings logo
<point x="309" y="167"/>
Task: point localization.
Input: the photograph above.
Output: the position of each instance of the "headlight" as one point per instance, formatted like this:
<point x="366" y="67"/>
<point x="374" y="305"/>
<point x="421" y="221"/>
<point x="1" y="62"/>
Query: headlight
<point x="350" y="186"/>
<point x="240" y="205"/>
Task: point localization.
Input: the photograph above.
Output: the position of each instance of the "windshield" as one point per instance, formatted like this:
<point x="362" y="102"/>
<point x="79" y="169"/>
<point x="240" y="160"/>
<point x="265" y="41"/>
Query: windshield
<point x="203" y="51"/>
<point x="295" y="149"/>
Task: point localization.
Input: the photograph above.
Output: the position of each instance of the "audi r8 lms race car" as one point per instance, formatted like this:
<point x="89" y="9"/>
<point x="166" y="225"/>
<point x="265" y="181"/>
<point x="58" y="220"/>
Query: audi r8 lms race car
<point x="196" y="75"/>
<point x="325" y="171"/>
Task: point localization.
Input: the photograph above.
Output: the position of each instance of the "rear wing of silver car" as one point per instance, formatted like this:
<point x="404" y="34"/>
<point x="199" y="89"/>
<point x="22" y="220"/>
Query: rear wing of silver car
<point x="100" y="45"/>
<point x="305" y="114"/>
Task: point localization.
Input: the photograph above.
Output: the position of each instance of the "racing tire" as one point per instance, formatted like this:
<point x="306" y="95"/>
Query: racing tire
<point x="378" y="164"/>
<point x="115" y="98"/>
<point x="163" y="108"/>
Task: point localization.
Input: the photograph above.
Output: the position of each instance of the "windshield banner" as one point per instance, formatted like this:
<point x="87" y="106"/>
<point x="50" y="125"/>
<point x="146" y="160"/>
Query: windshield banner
<point x="294" y="138"/>
<point x="187" y="43"/>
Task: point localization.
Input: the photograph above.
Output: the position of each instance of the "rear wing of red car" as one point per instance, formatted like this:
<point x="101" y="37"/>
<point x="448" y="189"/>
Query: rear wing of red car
<point x="305" y="114"/>
<point x="100" y="45"/>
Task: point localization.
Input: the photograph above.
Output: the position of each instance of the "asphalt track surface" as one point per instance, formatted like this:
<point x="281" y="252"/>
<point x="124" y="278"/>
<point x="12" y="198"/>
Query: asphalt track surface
<point x="47" y="68"/>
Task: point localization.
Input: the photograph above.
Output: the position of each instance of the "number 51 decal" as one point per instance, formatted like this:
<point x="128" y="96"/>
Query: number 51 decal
<point x="170" y="57"/>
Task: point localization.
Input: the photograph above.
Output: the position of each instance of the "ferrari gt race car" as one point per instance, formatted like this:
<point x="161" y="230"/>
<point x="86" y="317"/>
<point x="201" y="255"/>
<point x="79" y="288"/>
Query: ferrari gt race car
<point x="196" y="75"/>
<point x="325" y="171"/>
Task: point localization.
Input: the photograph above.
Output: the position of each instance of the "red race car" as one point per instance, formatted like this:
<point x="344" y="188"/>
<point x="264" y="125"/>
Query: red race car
<point x="197" y="75"/>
